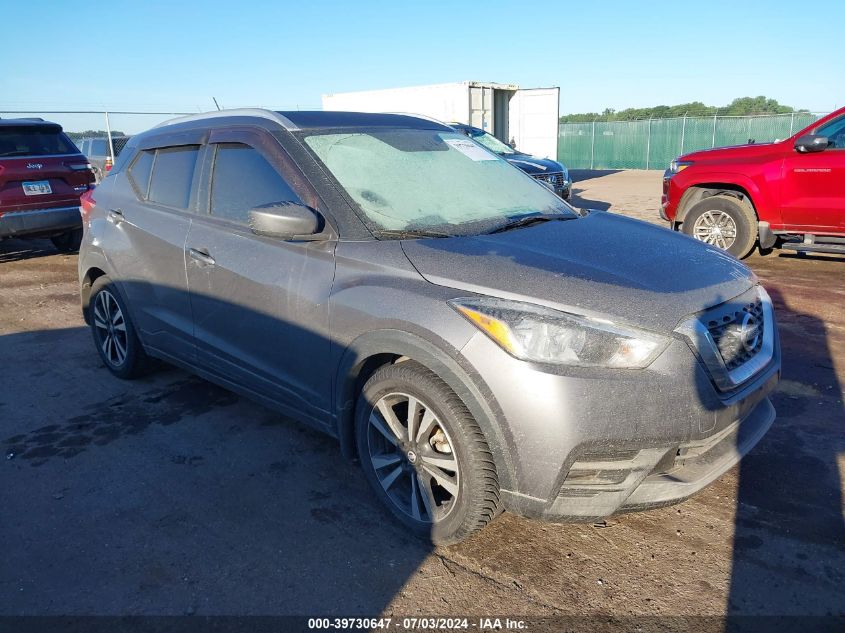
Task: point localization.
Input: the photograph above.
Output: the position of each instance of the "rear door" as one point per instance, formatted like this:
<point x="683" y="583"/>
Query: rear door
<point x="813" y="185"/>
<point x="534" y="121"/>
<point x="260" y="305"/>
<point x="40" y="168"/>
<point x="149" y="207"/>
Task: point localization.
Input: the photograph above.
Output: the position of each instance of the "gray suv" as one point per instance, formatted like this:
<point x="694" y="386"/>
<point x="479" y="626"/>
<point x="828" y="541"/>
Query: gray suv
<point x="474" y="341"/>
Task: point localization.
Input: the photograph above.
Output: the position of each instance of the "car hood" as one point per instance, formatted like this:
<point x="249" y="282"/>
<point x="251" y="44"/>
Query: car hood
<point x="602" y="265"/>
<point x="532" y="165"/>
<point x="733" y="152"/>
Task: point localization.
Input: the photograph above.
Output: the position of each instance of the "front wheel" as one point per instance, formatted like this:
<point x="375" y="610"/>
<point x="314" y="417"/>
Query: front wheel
<point x="424" y="455"/>
<point x="725" y="222"/>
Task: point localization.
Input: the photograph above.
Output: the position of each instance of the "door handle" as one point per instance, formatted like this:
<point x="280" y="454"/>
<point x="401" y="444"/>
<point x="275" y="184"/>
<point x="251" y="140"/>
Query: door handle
<point x="115" y="216"/>
<point x="201" y="257"/>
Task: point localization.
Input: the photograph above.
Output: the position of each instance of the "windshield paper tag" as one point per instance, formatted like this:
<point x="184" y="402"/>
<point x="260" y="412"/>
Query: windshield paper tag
<point x="470" y="149"/>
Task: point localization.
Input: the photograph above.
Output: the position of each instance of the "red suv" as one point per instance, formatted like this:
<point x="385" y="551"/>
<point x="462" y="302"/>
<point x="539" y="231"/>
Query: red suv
<point x="789" y="193"/>
<point x="42" y="176"/>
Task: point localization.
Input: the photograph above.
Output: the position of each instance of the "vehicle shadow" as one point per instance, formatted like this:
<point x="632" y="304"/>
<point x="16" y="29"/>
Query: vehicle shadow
<point x="579" y="175"/>
<point x="170" y="495"/>
<point x="580" y="202"/>
<point x="13" y="250"/>
<point x="789" y="538"/>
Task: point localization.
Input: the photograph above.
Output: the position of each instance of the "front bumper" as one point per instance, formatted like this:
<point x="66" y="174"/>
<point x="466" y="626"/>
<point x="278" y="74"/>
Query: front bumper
<point x="40" y="221"/>
<point x="583" y="444"/>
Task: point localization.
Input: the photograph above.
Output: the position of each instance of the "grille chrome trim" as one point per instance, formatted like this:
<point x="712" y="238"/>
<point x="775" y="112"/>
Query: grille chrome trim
<point x="555" y="179"/>
<point x="701" y="341"/>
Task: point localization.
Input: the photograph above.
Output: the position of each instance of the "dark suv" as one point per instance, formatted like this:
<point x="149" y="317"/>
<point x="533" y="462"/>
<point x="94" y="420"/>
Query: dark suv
<point x="551" y="173"/>
<point x="476" y="342"/>
<point x="42" y="176"/>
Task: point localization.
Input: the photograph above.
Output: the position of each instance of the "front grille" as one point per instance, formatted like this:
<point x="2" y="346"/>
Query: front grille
<point x="738" y="334"/>
<point x="556" y="180"/>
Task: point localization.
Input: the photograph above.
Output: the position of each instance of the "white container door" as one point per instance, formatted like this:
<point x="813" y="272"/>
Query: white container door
<point x="534" y="121"/>
<point x="481" y="107"/>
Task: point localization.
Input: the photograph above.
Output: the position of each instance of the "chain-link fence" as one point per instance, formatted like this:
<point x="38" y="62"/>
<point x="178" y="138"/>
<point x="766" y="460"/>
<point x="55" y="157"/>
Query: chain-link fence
<point x="653" y="143"/>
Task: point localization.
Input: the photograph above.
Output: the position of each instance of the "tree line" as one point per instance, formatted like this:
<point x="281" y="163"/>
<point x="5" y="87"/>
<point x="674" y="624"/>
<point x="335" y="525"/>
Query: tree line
<point x="78" y="136"/>
<point x="742" y="106"/>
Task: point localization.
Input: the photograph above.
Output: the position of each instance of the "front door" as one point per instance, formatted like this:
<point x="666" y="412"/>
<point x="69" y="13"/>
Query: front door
<point x="813" y="189"/>
<point x="260" y="305"/>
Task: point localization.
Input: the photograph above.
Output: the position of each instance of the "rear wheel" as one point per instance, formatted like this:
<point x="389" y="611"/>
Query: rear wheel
<point x="113" y="331"/>
<point x="68" y="242"/>
<point x="424" y="455"/>
<point x="725" y="222"/>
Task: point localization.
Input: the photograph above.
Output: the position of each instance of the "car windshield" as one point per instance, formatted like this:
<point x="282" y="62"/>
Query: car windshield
<point x="437" y="181"/>
<point x="490" y="142"/>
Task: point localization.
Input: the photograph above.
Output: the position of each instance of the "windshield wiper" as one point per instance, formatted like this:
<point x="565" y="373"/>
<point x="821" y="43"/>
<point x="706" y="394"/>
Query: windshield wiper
<point x="403" y="233"/>
<point x="528" y="220"/>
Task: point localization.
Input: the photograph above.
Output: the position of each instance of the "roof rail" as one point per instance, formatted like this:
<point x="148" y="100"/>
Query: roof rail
<point x="216" y="114"/>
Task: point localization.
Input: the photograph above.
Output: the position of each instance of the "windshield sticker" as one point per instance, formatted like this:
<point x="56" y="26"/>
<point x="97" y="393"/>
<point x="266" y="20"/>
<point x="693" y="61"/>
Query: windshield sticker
<point x="470" y="149"/>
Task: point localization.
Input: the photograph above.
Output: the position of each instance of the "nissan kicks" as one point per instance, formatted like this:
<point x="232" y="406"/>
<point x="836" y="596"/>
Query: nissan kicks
<point x="473" y="341"/>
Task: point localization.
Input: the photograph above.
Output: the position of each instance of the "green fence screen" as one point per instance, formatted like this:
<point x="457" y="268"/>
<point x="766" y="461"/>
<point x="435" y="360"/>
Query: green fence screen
<point x="654" y="143"/>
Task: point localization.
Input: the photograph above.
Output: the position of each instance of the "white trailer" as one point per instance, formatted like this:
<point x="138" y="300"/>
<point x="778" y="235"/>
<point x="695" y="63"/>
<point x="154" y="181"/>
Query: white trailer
<point x="527" y="116"/>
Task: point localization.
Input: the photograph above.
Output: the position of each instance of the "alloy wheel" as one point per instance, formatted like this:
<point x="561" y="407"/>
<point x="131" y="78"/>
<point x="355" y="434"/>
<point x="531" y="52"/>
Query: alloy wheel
<point x="110" y="326"/>
<point x="413" y="457"/>
<point x="715" y="227"/>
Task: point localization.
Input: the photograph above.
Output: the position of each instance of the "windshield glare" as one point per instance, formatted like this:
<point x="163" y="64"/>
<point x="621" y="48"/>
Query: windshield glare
<point x="491" y="142"/>
<point x="408" y="179"/>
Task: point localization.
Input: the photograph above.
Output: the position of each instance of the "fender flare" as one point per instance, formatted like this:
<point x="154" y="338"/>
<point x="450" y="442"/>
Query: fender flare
<point x="466" y="384"/>
<point x="693" y="191"/>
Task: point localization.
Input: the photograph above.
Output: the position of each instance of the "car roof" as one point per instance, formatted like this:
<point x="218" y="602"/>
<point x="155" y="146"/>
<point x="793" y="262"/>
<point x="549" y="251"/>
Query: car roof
<point x="29" y="123"/>
<point x="317" y="119"/>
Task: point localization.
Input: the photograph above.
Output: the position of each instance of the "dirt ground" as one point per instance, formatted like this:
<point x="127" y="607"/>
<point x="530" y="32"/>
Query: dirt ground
<point x="172" y="496"/>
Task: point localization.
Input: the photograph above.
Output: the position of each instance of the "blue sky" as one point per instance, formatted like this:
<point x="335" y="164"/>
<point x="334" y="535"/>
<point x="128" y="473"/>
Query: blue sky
<point x="148" y="55"/>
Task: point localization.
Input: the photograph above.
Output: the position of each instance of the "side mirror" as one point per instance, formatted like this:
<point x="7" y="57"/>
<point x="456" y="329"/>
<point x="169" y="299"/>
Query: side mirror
<point x="285" y="220"/>
<point x="811" y="143"/>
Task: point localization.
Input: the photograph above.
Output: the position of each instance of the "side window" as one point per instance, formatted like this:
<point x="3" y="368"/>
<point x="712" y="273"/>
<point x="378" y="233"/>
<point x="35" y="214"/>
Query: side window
<point x="140" y="171"/>
<point x="242" y="180"/>
<point x="172" y="176"/>
<point x="835" y="132"/>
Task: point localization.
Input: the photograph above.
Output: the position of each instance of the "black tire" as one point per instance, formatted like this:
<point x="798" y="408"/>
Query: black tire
<point x="68" y="242"/>
<point x="134" y="361"/>
<point x="741" y="214"/>
<point x="477" y="501"/>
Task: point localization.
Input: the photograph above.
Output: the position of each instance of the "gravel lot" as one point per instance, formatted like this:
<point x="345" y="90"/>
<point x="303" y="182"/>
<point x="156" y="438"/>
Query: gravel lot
<point x="172" y="496"/>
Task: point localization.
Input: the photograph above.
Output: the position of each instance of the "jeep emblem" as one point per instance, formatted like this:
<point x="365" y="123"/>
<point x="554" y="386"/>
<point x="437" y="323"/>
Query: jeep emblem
<point x="34" y="165"/>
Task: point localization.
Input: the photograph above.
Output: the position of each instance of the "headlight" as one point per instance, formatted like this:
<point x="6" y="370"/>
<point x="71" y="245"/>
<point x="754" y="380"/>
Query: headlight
<point x="542" y="335"/>
<point x="679" y="165"/>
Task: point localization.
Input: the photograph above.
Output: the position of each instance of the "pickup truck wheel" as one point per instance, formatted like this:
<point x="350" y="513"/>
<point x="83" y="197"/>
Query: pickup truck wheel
<point x="424" y="455"/>
<point x="68" y="242"/>
<point x="724" y="222"/>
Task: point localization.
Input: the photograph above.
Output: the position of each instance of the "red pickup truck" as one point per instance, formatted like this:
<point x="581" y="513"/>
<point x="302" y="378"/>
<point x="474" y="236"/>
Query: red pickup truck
<point x="788" y="193"/>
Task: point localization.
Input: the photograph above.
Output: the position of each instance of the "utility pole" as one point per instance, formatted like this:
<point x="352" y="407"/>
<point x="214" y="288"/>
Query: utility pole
<point x="108" y="134"/>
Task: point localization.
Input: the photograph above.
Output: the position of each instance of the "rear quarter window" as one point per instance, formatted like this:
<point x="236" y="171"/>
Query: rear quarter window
<point x="139" y="172"/>
<point x="172" y="175"/>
